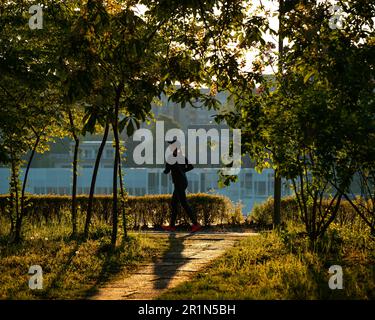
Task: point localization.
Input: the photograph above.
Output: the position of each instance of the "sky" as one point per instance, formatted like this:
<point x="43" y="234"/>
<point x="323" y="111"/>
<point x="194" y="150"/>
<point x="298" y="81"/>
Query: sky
<point x="269" y="5"/>
<point x="258" y="7"/>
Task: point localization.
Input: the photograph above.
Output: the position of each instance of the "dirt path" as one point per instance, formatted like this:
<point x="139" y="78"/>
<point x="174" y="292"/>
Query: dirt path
<point x="188" y="253"/>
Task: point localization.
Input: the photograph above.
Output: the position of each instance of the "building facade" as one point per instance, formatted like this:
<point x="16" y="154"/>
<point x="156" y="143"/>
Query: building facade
<point x="51" y="173"/>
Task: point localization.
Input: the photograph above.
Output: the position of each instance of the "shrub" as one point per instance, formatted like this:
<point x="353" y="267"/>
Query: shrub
<point x="142" y="210"/>
<point x="237" y="218"/>
<point x="262" y="213"/>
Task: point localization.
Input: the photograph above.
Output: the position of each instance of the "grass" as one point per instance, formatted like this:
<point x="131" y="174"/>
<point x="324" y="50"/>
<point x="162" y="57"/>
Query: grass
<point x="270" y="266"/>
<point x="283" y="266"/>
<point x="71" y="269"/>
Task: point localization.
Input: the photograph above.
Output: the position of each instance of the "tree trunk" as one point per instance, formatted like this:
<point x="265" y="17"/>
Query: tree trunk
<point x="93" y="180"/>
<point x="277" y="200"/>
<point x="14" y="188"/>
<point x="115" y="167"/>
<point x="122" y="193"/>
<point x="114" y="205"/>
<point x="75" y="175"/>
<point x="277" y="178"/>
<point x="18" y="226"/>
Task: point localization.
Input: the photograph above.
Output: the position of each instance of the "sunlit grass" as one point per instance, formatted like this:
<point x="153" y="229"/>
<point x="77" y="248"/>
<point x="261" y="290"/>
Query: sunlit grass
<point x="271" y="266"/>
<point x="71" y="269"/>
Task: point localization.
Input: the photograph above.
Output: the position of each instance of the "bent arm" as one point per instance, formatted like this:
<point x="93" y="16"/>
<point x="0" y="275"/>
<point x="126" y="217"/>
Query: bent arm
<point x="167" y="168"/>
<point x="188" y="166"/>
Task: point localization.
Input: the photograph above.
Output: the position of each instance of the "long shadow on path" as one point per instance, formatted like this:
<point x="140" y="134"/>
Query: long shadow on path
<point x="171" y="261"/>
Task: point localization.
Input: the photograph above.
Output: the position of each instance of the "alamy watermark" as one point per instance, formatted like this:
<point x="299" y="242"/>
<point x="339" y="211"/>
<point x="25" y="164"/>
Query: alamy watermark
<point x="224" y="152"/>
<point x="36" y="20"/>
<point x="336" y="20"/>
<point x="336" y="280"/>
<point x="36" y="279"/>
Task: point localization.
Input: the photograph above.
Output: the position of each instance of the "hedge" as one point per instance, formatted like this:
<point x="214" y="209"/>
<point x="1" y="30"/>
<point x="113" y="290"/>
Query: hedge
<point x="262" y="213"/>
<point x="145" y="210"/>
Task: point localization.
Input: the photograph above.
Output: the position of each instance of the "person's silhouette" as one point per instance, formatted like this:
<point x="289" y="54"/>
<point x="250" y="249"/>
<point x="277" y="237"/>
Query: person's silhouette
<point x="178" y="165"/>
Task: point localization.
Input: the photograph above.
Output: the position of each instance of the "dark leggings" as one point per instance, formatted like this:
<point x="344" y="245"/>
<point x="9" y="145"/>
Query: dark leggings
<point x="179" y="195"/>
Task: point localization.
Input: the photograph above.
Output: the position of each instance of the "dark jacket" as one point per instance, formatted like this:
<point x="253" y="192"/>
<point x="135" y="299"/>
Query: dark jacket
<point x="178" y="171"/>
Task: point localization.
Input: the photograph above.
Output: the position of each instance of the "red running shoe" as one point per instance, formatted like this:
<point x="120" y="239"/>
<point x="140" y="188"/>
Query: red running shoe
<point x="196" y="227"/>
<point x="168" y="228"/>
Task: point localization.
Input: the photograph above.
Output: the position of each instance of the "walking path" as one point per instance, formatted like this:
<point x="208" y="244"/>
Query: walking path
<point x="188" y="253"/>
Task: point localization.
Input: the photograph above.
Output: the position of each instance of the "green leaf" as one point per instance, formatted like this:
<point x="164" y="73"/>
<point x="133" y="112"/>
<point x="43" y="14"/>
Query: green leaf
<point x="308" y="76"/>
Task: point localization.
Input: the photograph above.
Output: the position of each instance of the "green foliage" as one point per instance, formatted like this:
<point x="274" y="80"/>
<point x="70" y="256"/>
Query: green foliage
<point x="237" y="218"/>
<point x="313" y="120"/>
<point x="114" y="61"/>
<point x="262" y="213"/>
<point x="150" y="210"/>
<point x="29" y="102"/>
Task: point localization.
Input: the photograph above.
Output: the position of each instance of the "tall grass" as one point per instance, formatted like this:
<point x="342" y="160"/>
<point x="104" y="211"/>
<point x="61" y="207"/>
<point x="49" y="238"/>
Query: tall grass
<point x="71" y="268"/>
<point x="284" y="266"/>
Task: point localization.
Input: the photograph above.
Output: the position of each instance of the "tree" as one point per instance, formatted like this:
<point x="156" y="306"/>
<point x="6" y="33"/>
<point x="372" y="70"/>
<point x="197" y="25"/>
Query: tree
<point x="25" y="85"/>
<point x="126" y="72"/>
<point x="335" y="67"/>
<point x="72" y="122"/>
<point x="309" y="121"/>
<point x="143" y="55"/>
<point x="352" y="78"/>
<point x="80" y="87"/>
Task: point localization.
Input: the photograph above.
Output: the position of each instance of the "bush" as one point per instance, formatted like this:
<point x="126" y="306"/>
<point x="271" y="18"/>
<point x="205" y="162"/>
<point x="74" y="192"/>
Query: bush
<point x="237" y="218"/>
<point x="141" y="210"/>
<point x="262" y="213"/>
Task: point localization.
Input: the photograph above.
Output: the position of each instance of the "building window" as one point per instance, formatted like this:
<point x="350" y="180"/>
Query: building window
<point x="139" y="191"/>
<point x="109" y="153"/>
<point x="164" y="180"/>
<point x="247" y="182"/>
<point x="260" y="188"/>
<point x="39" y="190"/>
<point x="63" y="190"/>
<point x="153" y="182"/>
<point x="271" y="183"/>
<point x="101" y="190"/>
<point x="51" y="190"/>
<point x="203" y="182"/>
<point x="194" y="186"/>
<point x="87" y="154"/>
